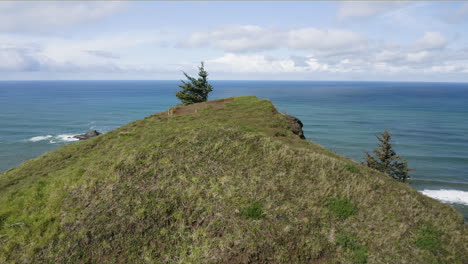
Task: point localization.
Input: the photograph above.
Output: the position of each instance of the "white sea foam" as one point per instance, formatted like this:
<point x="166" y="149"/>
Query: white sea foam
<point x="40" y="138"/>
<point x="66" y="137"/>
<point x="55" y="139"/>
<point x="448" y="196"/>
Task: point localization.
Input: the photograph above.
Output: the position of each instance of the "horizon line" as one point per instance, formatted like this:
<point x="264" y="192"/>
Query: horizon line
<point x="216" y="80"/>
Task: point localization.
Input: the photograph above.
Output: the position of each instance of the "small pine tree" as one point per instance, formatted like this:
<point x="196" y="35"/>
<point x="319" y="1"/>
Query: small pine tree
<point x="197" y="90"/>
<point x="387" y="161"/>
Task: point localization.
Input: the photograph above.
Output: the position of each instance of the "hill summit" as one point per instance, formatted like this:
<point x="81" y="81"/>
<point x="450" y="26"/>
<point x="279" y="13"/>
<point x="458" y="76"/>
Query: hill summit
<point x="227" y="181"/>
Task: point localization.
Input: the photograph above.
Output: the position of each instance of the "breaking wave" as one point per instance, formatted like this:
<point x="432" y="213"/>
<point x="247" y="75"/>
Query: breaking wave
<point x="448" y="196"/>
<point x="40" y="138"/>
<point x="54" y="139"/>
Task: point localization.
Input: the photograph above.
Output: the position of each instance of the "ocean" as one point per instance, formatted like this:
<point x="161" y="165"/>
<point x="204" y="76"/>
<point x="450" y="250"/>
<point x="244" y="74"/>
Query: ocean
<point x="429" y="121"/>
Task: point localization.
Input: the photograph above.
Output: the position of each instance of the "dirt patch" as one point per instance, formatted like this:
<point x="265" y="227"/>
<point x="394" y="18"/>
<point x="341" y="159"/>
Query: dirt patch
<point x="193" y="108"/>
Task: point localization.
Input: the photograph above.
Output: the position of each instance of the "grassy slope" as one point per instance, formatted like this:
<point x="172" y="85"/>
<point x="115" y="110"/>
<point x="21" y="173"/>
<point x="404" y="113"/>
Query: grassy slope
<point x="216" y="187"/>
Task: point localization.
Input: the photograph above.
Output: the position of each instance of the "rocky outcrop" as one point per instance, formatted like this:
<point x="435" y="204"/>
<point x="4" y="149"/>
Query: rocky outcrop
<point x="296" y="126"/>
<point x="87" y="135"/>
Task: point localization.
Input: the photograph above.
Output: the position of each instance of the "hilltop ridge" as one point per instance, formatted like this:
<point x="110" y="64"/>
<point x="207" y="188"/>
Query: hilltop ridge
<point x="226" y="181"/>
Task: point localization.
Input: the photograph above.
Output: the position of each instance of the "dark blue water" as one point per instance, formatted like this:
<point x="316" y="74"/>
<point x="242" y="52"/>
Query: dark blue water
<point x="429" y="121"/>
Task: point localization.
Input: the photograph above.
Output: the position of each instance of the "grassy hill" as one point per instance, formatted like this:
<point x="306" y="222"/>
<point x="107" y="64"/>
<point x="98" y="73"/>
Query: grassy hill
<point x="221" y="182"/>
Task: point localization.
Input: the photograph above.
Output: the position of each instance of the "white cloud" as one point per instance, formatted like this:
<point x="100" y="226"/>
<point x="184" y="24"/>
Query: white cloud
<point x="65" y="49"/>
<point x="250" y="63"/>
<point x="375" y="61"/>
<point x="260" y="63"/>
<point x="320" y="51"/>
<point x="31" y="15"/>
<point x="235" y="38"/>
<point x="58" y="54"/>
<point x="326" y="41"/>
<point x="365" y="9"/>
<point x="388" y="55"/>
<point x="245" y="38"/>
<point x="17" y="60"/>
<point x="447" y="68"/>
<point x="431" y="40"/>
<point x="103" y="54"/>
<point x="264" y="64"/>
<point x="20" y="53"/>
<point x="417" y="57"/>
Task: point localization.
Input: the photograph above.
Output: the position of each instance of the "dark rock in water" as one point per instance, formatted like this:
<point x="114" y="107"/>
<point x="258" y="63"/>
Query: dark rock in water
<point x="296" y="125"/>
<point x="87" y="135"/>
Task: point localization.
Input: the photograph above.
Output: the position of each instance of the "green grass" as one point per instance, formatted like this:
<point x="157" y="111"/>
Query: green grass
<point x="429" y="239"/>
<point x="253" y="211"/>
<point x="341" y="208"/>
<point x="218" y="186"/>
<point x="352" y="168"/>
<point x="357" y="253"/>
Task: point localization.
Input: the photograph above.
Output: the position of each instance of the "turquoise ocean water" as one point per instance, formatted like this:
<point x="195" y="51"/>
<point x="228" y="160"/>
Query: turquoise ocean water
<point x="429" y="121"/>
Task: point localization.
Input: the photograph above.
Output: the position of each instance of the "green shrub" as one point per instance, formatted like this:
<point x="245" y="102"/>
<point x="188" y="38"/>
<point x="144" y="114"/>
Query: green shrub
<point x="253" y="211"/>
<point x="429" y="238"/>
<point x="341" y="208"/>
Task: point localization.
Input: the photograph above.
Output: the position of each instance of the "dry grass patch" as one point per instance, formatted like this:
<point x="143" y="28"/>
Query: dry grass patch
<point x="194" y="108"/>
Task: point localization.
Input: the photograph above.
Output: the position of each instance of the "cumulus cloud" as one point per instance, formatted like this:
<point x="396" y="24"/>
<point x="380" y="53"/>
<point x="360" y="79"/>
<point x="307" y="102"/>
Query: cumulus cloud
<point x="384" y="58"/>
<point x="431" y="40"/>
<point x="246" y="38"/>
<point x="242" y="63"/>
<point x="365" y="9"/>
<point x="31" y="15"/>
<point x="264" y="64"/>
<point x="60" y="54"/>
<point x="250" y="63"/>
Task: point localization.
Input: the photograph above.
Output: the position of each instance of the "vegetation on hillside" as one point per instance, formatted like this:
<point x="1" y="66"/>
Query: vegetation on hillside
<point x="387" y="161"/>
<point x="196" y="90"/>
<point x="225" y="181"/>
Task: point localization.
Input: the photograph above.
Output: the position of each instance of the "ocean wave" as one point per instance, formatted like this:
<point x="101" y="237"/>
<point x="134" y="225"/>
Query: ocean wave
<point x="40" y="138"/>
<point x="448" y="196"/>
<point x="53" y="139"/>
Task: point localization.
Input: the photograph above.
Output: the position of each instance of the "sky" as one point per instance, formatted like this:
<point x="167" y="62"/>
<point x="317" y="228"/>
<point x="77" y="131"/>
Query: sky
<point x="243" y="40"/>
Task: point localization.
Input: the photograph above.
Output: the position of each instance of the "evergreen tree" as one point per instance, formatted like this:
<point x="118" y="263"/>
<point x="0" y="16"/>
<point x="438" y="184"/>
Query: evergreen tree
<point x="387" y="161"/>
<point x="196" y="90"/>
